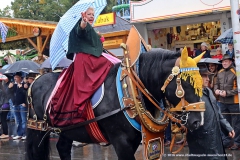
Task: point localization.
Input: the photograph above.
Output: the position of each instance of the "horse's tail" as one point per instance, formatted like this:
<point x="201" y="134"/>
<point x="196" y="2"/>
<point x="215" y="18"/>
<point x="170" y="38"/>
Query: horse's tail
<point x="37" y="148"/>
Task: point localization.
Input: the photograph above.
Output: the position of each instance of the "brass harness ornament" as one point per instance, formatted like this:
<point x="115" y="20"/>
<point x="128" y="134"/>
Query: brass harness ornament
<point x="34" y="123"/>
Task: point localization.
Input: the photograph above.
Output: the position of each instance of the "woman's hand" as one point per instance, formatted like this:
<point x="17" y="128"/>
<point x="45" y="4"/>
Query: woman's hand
<point x="84" y="21"/>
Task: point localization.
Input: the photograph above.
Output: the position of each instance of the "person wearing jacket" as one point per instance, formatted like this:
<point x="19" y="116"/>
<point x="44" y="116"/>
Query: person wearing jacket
<point x="4" y="102"/>
<point x="204" y="47"/>
<point x="19" y="102"/>
<point x="230" y="50"/>
<point x="226" y="88"/>
<point x="219" y="54"/>
<point x="206" y="140"/>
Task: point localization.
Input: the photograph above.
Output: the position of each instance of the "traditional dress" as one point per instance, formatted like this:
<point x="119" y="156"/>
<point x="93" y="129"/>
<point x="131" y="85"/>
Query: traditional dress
<point x="83" y="77"/>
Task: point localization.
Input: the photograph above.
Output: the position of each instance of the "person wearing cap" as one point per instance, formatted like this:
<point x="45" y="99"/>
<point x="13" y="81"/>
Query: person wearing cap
<point x="219" y="54"/>
<point x="226" y="88"/>
<point x="207" y="138"/>
<point x="29" y="79"/>
<point x="19" y="102"/>
<point x="230" y="50"/>
<point x="204" y="47"/>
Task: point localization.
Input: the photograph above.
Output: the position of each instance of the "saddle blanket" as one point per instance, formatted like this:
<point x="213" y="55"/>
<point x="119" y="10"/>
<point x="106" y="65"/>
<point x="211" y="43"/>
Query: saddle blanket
<point x="132" y="121"/>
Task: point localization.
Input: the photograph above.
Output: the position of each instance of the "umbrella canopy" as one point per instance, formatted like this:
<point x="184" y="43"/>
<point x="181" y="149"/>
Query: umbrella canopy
<point x="226" y="37"/>
<point x="209" y="60"/>
<point x="23" y="66"/>
<point x="63" y="63"/>
<point x="60" y="37"/>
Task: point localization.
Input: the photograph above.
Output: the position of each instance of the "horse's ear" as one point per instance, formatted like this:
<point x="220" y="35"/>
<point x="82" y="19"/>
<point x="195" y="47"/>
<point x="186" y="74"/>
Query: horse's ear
<point x="184" y="55"/>
<point x="198" y="58"/>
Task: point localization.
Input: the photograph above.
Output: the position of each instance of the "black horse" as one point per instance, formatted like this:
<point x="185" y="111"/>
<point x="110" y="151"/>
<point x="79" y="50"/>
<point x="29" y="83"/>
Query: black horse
<point x="154" y="68"/>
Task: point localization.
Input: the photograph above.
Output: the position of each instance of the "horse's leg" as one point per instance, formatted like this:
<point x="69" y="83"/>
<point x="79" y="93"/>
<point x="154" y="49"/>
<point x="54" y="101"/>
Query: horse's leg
<point x="136" y="143"/>
<point x="37" y="148"/>
<point x="123" y="147"/>
<point x="64" y="146"/>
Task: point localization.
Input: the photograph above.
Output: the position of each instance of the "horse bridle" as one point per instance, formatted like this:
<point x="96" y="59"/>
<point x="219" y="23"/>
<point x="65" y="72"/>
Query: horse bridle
<point x="183" y="105"/>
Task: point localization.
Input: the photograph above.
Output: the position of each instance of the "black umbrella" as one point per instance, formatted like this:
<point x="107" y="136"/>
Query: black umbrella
<point x="23" y="66"/>
<point x="63" y="63"/>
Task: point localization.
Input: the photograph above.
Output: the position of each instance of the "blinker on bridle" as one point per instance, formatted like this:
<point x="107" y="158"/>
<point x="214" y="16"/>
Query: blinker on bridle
<point x="183" y="105"/>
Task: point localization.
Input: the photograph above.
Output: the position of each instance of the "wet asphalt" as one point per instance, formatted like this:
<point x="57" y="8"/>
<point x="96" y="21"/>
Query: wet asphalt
<point x="15" y="150"/>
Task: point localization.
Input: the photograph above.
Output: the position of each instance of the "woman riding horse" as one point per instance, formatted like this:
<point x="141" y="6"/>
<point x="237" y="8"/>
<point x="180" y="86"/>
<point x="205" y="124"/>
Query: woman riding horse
<point x="84" y="76"/>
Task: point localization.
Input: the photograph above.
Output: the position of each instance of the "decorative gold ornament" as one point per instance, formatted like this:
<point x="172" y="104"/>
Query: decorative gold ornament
<point x="175" y="70"/>
<point x="124" y="85"/>
<point x="179" y="93"/>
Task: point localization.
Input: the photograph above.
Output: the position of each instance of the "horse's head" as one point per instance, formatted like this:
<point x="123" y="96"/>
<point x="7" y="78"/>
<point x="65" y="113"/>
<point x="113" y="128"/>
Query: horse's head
<point x="183" y="89"/>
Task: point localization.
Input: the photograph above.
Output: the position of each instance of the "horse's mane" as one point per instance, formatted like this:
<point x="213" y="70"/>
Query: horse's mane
<point x="157" y="63"/>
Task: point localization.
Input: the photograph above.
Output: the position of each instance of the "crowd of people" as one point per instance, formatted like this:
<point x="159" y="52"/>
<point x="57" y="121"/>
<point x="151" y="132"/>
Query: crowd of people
<point x="13" y="90"/>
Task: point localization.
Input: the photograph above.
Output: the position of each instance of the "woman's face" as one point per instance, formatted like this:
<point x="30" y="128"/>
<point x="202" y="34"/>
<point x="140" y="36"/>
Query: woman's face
<point x="90" y="15"/>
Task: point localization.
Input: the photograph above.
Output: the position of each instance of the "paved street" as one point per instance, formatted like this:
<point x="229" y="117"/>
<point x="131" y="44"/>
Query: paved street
<point x="15" y="150"/>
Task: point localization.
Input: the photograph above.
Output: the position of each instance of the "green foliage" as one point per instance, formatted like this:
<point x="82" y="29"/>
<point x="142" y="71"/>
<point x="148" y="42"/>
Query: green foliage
<point x="46" y="10"/>
<point x="6" y="12"/>
<point x="14" y="45"/>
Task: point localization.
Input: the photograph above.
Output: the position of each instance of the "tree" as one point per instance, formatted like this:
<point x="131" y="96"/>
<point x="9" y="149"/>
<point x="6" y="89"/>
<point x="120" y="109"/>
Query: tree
<point x="36" y="9"/>
<point x="6" y="12"/>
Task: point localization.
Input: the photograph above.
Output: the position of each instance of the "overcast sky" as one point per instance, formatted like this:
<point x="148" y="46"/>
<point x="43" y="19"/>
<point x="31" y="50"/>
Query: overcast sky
<point x="4" y="3"/>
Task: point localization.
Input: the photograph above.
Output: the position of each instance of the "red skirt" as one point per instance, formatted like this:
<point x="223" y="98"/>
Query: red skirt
<point x="83" y="77"/>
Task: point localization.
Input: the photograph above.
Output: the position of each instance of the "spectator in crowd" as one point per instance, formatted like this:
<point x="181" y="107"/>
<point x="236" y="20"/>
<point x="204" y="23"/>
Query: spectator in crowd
<point x="213" y="68"/>
<point x="29" y="80"/>
<point x="226" y="88"/>
<point x="5" y="96"/>
<point x="204" y="47"/>
<point x="230" y="50"/>
<point x="207" y="138"/>
<point x="10" y="116"/>
<point x="219" y="54"/>
<point x="19" y="102"/>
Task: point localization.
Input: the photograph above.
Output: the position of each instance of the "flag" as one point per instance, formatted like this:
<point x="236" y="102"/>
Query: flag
<point x="3" y="30"/>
